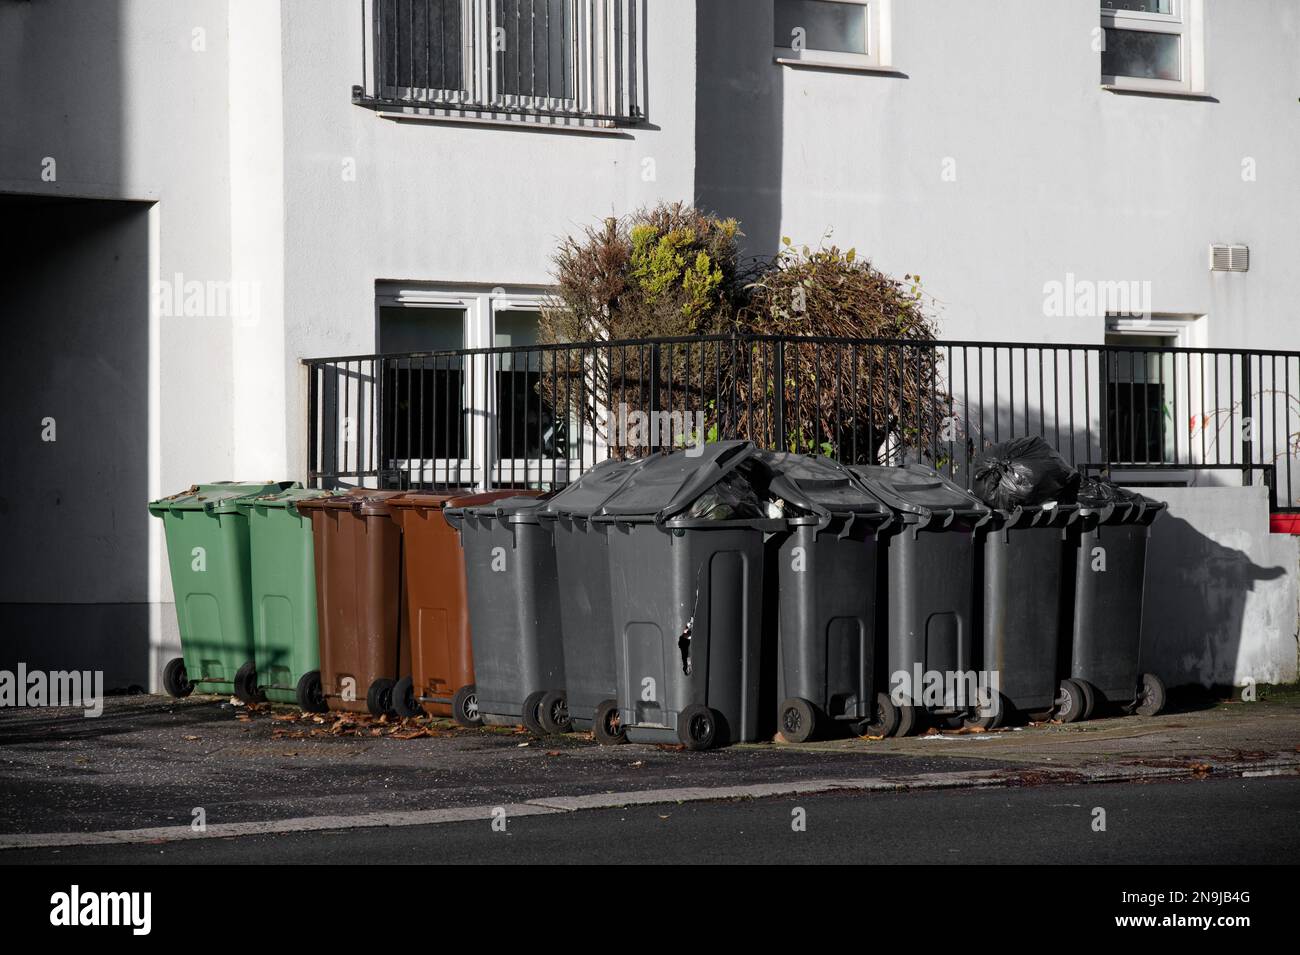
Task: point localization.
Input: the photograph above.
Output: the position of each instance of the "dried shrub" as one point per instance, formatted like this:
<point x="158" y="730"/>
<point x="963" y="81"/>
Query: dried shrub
<point x="667" y="272"/>
<point x="674" y="272"/>
<point x="843" y="399"/>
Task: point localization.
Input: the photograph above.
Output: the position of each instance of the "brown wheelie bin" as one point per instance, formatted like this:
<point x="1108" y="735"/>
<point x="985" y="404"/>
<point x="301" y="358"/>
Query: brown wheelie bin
<point x="359" y="599"/>
<point x="441" y="680"/>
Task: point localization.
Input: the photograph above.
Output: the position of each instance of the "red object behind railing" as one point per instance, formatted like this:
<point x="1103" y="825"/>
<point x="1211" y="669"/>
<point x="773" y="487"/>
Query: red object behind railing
<point x="1284" y="523"/>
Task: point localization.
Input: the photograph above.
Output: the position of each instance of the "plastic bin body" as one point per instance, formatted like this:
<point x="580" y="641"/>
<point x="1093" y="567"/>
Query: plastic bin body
<point x="928" y="617"/>
<point x="826" y="567"/>
<point x="433" y="569"/>
<point x="931" y="577"/>
<point x="359" y="597"/>
<point x="285" y="635"/>
<point x="1107" y="634"/>
<point x="687" y="599"/>
<point x="209" y="557"/>
<point x="687" y="605"/>
<point x="514" y="607"/>
<point x="582" y="574"/>
<point x="827" y="631"/>
<point x="1025" y="607"/>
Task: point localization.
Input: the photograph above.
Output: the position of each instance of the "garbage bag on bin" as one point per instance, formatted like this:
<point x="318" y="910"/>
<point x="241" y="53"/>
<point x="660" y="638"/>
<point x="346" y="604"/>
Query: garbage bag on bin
<point x="1024" y="471"/>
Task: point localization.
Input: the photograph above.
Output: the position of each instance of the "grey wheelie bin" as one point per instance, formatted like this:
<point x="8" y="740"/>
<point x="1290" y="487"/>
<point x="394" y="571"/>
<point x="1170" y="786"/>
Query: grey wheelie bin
<point x="927" y="595"/>
<point x="514" y="609"/>
<point x="826" y="628"/>
<point x="1025" y="609"/>
<point x="686" y="552"/>
<point x="589" y="696"/>
<point x="1110" y="557"/>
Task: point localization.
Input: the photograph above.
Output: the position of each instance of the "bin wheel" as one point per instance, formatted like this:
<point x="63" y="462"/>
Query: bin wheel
<point x="1071" y="702"/>
<point x="884" y="718"/>
<point x="404" y="703"/>
<point x="1090" y="698"/>
<point x="607" y="725"/>
<point x="1151" y="695"/>
<point x="697" y="727"/>
<point x="464" y="706"/>
<point x="311" y="696"/>
<point x="553" y="713"/>
<point x="909" y="720"/>
<point x="246" y="684"/>
<point x="175" y="680"/>
<point x="379" y="698"/>
<point x="990" y="722"/>
<point x="532" y="718"/>
<point x="797" y="720"/>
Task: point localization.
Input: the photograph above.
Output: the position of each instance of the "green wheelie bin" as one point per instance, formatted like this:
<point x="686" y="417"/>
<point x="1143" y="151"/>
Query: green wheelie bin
<point x="285" y="641"/>
<point x="207" y="548"/>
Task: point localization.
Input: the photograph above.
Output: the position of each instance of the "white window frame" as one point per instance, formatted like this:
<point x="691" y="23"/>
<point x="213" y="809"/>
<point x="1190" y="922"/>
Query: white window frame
<point x="1187" y="22"/>
<point x="879" y="55"/>
<point x="481" y="304"/>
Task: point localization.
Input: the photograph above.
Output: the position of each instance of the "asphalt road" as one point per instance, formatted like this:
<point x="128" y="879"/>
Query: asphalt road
<point x="1225" y="821"/>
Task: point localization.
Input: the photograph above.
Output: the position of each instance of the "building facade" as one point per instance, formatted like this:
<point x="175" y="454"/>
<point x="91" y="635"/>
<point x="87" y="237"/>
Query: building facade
<point x="198" y="195"/>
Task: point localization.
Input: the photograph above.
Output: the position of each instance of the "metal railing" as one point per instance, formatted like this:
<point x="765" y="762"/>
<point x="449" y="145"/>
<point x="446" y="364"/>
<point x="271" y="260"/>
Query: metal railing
<point x="538" y="416"/>
<point x="566" y="62"/>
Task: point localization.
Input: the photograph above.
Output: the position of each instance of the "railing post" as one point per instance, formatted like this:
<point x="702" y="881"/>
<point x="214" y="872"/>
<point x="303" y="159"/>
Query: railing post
<point x="778" y="394"/>
<point x="655" y="370"/>
<point x="1103" y="408"/>
<point x="1247" y="424"/>
<point x="313" y="473"/>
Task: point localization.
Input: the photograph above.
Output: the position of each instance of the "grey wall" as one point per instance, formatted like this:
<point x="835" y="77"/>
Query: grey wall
<point x="1221" y="591"/>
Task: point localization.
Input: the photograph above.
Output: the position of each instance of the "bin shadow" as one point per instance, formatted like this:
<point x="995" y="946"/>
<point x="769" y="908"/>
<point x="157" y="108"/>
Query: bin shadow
<point x="1194" y="612"/>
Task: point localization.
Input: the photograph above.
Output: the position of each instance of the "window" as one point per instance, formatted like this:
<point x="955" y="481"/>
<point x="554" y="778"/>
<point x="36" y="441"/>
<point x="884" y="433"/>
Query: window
<point x="845" y="33"/>
<point x="534" y="55"/>
<point x="441" y="408"/>
<point x="423" y="401"/>
<point x="527" y="425"/>
<point x="1152" y="45"/>
<point x="576" y="59"/>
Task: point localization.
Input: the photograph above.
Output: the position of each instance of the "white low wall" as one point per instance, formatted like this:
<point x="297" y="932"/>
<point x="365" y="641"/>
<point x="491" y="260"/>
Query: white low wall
<point x="1221" y="591"/>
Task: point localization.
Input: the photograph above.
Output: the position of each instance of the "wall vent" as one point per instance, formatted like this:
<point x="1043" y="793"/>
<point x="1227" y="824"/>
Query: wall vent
<point x="1229" y="258"/>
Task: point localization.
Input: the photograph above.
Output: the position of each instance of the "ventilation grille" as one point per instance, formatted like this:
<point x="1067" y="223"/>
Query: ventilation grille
<point x="1229" y="258"/>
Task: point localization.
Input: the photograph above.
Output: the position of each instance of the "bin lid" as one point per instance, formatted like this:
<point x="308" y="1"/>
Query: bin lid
<point x="365" y="501"/>
<point x="919" y="491"/>
<point x="587" y="495"/>
<point x="819" y="486"/>
<point x="286" y="500"/>
<point x="665" y="485"/>
<point x="519" y="507"/>
<point x="220" y="497"/>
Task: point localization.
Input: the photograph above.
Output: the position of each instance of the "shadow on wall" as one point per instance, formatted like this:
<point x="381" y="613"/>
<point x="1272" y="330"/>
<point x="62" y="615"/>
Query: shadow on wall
<point x="1216" y="614"/>
<point x="74" y="579"/>
<point x="739" y="119"/>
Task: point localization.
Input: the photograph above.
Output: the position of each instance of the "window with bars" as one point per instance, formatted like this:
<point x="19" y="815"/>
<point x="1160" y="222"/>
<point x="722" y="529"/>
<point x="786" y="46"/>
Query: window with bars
<point x="573" y="59"/>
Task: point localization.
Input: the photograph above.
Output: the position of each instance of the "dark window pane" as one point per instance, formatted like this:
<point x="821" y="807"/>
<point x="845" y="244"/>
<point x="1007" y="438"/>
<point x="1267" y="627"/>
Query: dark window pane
<point x="538" y="56"/>
<point x="1165" y="7"/>
<point x="420" y="44"/>
<point x="832" y="27"/>
<point x="1152" y="56"/>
